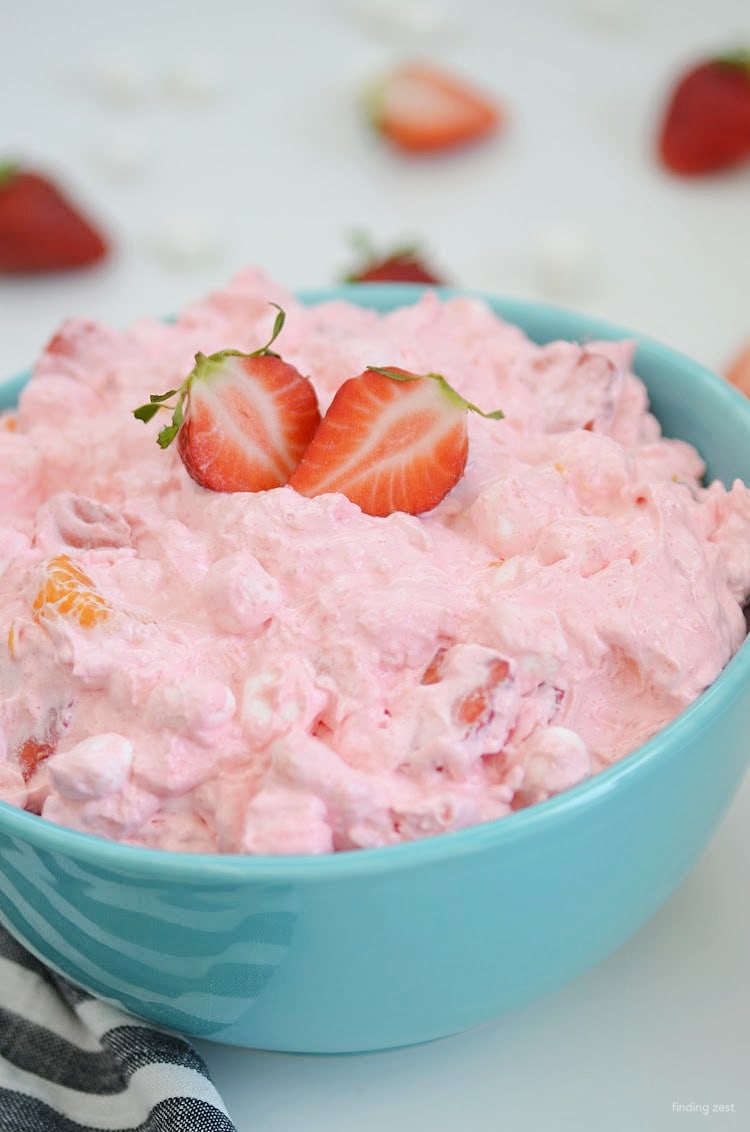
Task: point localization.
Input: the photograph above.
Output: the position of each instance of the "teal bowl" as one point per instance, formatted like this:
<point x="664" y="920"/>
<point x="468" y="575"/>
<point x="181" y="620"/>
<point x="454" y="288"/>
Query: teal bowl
<point x="388" y="947"/>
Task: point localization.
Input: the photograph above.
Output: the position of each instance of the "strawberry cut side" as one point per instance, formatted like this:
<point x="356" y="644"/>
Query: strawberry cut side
<point x="390" y="441"/>
<point x="421" y="109"/>
<point x="242" y="421"/>
<point x="248" y="422"/>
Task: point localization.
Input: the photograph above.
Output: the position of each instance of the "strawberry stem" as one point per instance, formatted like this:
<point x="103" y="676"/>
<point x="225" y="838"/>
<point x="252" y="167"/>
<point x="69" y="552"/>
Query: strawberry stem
<point x="201" y="371"/>
<point x="277" y="327"/>
<point x="453" y="394"/>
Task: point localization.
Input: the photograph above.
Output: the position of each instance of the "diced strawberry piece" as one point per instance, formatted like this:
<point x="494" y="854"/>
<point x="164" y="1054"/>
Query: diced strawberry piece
<point x="74" y="339"/>
<point x="706" y="124"/>
<point x="30" y="754"/>
<point x="475" y="708"/>
<point x="421" y="109"/>
<point x="242" y="421"/>
<point x="40" y="229"/>
<point x="739" y="371"/>
<point x="33" y="750"/>
<point x="390" y="441"/>
<point x="434" y="670"/>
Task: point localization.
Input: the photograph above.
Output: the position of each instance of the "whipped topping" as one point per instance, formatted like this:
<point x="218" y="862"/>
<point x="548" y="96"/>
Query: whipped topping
<point x="266" y="673"/>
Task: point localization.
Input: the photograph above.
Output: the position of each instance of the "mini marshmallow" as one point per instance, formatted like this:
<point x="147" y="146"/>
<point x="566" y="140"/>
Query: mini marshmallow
<point x="94" y="768"/>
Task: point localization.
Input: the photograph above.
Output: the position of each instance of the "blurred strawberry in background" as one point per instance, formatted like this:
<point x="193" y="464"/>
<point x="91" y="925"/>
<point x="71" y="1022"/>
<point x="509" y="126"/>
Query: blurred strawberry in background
<point x="404" y="264"/>
<point x="42" y="230"/>
<point x="706" y="122"/>
<point x="420" y="108"/>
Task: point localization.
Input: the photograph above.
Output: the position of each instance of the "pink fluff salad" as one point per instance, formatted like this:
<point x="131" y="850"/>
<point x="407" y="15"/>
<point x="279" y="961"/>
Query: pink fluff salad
<point x="283" y="675"/>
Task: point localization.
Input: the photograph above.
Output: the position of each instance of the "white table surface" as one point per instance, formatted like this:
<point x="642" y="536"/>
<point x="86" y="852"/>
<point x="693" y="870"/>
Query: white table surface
<point x="206" y="136"/>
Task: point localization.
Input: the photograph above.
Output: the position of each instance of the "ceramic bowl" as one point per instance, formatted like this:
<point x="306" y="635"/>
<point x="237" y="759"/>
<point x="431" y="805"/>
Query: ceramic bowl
<point x="386" y="947"/>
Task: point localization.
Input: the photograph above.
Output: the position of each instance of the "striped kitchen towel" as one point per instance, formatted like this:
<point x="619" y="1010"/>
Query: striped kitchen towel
<point x="71" y="1063"/>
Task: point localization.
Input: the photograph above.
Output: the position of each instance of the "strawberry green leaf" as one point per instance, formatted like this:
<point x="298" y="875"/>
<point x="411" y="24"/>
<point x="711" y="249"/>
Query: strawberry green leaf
<point x="167" y="435"/>
<point x="155" y="402"/>
<point x="146" y="412"/>
<point x="169" y="432"/>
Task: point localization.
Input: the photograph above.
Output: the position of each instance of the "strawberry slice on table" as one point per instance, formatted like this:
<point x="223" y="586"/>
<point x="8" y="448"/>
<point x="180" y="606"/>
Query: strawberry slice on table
<point x="40" y="229"/>
<point x="242" y="421"/>
<point x="390" y="441"/>
<point x="706" y="124"/>
<point x="420" y="108"/>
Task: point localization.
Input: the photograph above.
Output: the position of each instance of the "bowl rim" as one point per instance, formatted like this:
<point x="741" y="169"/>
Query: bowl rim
<point x="99" y="852"/>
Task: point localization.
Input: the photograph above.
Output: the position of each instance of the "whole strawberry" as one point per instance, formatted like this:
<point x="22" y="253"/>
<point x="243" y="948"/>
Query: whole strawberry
<point x="403" y="265"/>
<point x="706" y="125"/>
<point x="40" y="229"/>
<point x="242" y="421"/>
<point x="390" y="441"/>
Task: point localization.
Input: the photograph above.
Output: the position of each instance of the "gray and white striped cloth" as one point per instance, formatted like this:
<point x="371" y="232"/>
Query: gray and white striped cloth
<point x="71" y="1063"/>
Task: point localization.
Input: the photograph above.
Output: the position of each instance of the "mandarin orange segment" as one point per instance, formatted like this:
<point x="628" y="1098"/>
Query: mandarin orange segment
<point x="9" y="423"/>
<point x="67" y="591"/>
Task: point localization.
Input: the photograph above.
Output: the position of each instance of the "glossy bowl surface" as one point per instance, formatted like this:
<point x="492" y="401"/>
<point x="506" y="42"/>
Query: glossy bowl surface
<point x="387" y="947"/>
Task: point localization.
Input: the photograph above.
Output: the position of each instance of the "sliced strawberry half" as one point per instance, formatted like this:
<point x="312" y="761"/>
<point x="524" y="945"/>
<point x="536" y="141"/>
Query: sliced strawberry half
<point x="390" y="441"/>
<point x="242" y="421"/>
<point x="420" y="109"/>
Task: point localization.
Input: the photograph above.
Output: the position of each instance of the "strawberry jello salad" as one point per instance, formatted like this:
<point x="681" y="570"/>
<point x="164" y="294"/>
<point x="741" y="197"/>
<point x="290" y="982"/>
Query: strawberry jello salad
<point x="413" y="614"/>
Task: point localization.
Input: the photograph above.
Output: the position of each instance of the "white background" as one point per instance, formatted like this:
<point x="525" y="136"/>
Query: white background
<point x="208" y="135"/>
